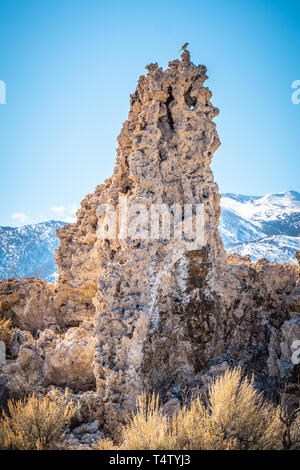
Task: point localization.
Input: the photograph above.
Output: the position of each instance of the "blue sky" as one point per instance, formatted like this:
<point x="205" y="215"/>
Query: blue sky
<point x="70" y="65"/>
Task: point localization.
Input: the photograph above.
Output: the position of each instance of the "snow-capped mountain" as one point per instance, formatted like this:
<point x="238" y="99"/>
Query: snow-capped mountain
<point x="28" y="251"/>
<point x="262" y="226"/>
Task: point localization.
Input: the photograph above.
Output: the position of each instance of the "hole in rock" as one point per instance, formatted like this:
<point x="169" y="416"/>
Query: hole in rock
<point x="190" y="101"/>
<point x="168" y="102"/>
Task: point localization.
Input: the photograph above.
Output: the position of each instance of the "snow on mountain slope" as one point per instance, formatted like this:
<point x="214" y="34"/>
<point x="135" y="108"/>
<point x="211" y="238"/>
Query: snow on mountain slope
<point x="262" y="208"/>
<point x="279" y="248"/>
<point x="262" y="226"/>
<point x="28" y="251"/>
<point x="235" y="229"/>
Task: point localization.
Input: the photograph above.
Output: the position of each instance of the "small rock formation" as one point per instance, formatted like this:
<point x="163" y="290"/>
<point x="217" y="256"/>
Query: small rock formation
<point x="163" y="314"/>
<point x="28" y="303"/>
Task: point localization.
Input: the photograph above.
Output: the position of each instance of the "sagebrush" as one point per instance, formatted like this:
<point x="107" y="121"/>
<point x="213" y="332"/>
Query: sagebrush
<point x="233" y="415"/>
<point x="6" y="331"/>
<point x="36" y="423"/>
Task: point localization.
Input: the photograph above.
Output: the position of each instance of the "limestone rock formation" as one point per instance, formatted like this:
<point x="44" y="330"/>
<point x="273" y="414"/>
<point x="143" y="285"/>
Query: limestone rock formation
<point x="28" y="303"/>
<point x="135" y="311"/>
<point x="42" y="347"/>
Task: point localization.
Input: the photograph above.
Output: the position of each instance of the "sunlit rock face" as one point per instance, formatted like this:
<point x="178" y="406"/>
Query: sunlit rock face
<point x="150" y="290"/>
<point x="156" y="307"/>
<point x="28" y="303"/>
<point x="134" y="310"/>
<point x="171" y="312"/>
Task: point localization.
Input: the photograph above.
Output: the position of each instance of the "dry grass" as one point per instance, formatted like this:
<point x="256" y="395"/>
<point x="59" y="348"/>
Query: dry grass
<point x="236" y="416"/>
<point x="37" y="423"/>
<point x="151" y="423"/>
<point x="23" y="383"/>
<point x="105" y="444"/>
<point x="146" y="429"/>
<point x="6" y="331"/>
<point x="290" y="417"/>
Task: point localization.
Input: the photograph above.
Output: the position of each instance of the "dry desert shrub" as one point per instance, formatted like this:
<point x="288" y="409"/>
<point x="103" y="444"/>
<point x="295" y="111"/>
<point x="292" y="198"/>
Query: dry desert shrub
<point x="238" y="416"/>
<point x="150" y="422"/>
<point x="23" y="383"/>
<point x="290" y="417"/>
<point x="6" y="331"/>
<point x="235" y="416"/>
<point x="105" y="444"/>
<point x="146" y="429"/>
<point x="36" y="423"/>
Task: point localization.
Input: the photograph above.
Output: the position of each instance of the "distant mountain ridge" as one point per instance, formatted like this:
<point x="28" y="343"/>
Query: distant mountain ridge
<point x="28" y="251"/>
<point x="263" y="226"/>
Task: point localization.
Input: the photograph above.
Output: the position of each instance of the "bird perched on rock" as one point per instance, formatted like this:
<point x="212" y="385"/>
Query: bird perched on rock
<point x="184" y="47"/>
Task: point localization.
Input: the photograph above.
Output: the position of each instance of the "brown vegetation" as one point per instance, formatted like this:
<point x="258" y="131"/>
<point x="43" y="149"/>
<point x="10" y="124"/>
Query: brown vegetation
<point x="6" y="331"/>
<point x="233" y="416"/>
<point x="36" y="423"/>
